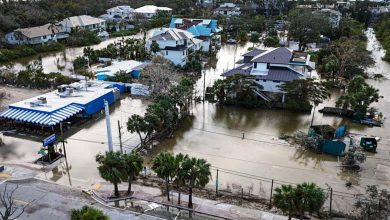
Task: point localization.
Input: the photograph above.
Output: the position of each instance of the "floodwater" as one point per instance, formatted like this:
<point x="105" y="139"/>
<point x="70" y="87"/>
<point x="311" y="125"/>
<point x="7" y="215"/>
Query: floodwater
<point x="230" y="138"/>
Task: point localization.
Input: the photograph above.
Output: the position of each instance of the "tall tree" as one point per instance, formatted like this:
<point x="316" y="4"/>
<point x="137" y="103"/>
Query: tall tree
<point x="306" y="27"/>
<point x="164" y="165"/>
<point x="283" y="198"/>
<point x="112" y="168"/>
<point x="254" y="38"/>
<point x="134" y="165"/>
<point x="196" y="174"/>
<point x="359" y="96"/>
<point x="178" y="166"/>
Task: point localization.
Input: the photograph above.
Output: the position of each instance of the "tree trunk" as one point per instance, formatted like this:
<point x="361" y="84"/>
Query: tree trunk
<point x="116" y="191"/>
<point x="178" y="190"/>
<point x="129" y="187"/>
<point x="167" y="186"/>
<point x="312" y="118"/>
<point x="190" y="197"/>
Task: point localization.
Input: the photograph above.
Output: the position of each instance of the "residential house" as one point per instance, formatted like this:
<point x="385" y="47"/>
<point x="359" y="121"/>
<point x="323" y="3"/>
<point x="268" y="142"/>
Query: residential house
<point x="228" y="9"/>
<point x="206" y="30"/>
<point x="131" y="67"/>
<point x="205" y="3"/>
<point x="148" y="11"/>
<point x="175" y="45"/>
<point x="118" y="13"/>
<point x="85" y="22"/>
<point x="271" y="68"/>
<point x="36" y="35"/>
<point x="377" y="12"/>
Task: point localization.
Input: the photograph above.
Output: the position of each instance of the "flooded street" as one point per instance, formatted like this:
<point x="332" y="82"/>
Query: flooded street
<point x="216" y="134"/>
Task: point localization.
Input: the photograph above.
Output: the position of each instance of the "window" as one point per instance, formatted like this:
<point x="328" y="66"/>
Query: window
<point x="44" y="37"/>
<point x="268" y="65"/>
<point x="255" y="65"/>
<point x="276" y="81"/>
<point x="257" y="80"/>
<point x="166" y="53"/>
<point x="184" y="53"/>
<point x="264" y="80"/>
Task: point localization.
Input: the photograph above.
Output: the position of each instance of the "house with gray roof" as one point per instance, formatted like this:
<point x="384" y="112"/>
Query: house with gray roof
<point x="36" y="35"/>
<point x="271" y="68"/>
<point x="85" y="22"/>
<point x="175" y="44"/>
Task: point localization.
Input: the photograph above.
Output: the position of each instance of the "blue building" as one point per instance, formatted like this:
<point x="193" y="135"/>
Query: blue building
<point x="203" y="29"/>
<point x="68" y="102"/>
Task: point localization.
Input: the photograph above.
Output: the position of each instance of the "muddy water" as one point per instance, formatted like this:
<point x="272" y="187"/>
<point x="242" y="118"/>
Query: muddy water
<point x="62" y="61"/>
<point x="216" y="134"/>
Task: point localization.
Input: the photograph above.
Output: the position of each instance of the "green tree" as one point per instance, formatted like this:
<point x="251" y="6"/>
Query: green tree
<point x="359" y="96"/>
<point x="306" y="27"/>
<point x="87" y="213"/>
<point x="136" y="123"/>
<point x="154" y="47"/>
<point x="271" y="41"/>
<point x="283" y="199"/>
<point x="196" y="174"/>
<point x="179" y="171"/>
<point x="303" y="93"/>
<point x="164" y="165"/>
<point x="254" y="38"/>
<point x="112" y="168"/>
<point x="134" y="165"/>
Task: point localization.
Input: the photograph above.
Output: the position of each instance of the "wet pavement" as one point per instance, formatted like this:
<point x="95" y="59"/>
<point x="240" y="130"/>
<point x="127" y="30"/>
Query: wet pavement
<point x="215" y="133"/>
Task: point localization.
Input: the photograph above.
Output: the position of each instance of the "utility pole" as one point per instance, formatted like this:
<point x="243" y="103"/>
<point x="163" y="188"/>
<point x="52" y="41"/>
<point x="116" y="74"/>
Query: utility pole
<point x="62" y="139"/>
<point x="204" y="85"/>
<point x="120" y="136"/>
<point x="108" y="125"/>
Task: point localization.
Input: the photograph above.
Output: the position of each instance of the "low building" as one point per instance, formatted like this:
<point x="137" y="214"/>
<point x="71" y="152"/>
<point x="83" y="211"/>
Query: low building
<point x="333" y="16"/>
<point x="175" y="45"/>
<point x="118" y="13"/>
<point x="36" y="35"/>
<point x="148" y="11"/>
<point x="228" y="9"/>
<point x="67" y="103"/>
<point x="131" y="67"/>
<point x="377" y="12"/>
<point x="206" y="30"/>
<point x="271" y="68"/>
<point x="84" y="22"/>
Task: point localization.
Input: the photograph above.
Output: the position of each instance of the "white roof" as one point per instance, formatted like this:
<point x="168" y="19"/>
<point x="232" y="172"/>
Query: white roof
<point x="151" y="9"/>
<point x="55" y="102"/>
<point x="82" y="20"/>
<point x="126" y="66"/>
<point x="171" y="34"/>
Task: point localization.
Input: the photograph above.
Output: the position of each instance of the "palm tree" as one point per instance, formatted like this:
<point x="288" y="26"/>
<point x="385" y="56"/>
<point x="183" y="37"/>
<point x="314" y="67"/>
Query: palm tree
<point x="178" y="166"/>
<point x="311" y="198"/>
<point x="283" y="199"/>
<point x="163" y="165"/>
<point x="134" y="165"/>
<point x="111" y="167"/>
<point x="196" y="174"/>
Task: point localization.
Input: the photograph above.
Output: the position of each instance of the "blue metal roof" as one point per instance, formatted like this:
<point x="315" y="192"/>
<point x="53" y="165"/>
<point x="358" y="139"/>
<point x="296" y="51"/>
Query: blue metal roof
<point x="205" y="28"/>
<point x="41" y="118"/>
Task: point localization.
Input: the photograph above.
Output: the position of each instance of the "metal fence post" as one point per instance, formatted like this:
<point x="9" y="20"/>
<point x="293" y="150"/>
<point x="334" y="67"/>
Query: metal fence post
<point x="330" y="202"/>
<point x="216" y="184"/>
<point x="272" y="189"/>
<point x="243" y="135"/>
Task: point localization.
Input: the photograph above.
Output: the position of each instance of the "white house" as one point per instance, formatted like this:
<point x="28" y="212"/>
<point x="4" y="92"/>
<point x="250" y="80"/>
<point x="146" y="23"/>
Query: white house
<point x="122" y="12"/>
<point x="228" y="9"/>
<point x="85" y="22"/>
<point x="175" y="44"/>
<point x="271" y="68"/>
<point x="36" y="35"/>
<point x="150" y="10"/>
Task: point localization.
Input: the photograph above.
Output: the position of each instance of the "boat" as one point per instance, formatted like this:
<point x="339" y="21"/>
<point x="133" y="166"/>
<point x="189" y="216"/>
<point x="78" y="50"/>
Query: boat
<point x="369" y="144"/>
<point x="337" y="111"/>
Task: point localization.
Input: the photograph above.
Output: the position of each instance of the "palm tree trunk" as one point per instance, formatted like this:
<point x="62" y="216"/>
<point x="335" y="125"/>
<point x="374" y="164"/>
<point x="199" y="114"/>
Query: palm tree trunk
<point x="116" y="191"/>
<point x="190" y="198"/>
<point x="167" y="186"/>
<point x="178" y="189"/>
<point x="312" y="118"/>
<point x="129" y="187"/>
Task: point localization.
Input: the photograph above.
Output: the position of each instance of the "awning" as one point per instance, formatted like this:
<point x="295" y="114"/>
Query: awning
<point x="41" y="118"/>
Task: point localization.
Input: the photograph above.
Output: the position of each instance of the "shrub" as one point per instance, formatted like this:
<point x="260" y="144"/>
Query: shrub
<point x="87" y="213"/>
<point x="81" y="38"/>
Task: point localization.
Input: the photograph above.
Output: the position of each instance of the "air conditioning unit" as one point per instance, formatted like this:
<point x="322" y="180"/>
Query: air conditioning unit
<point x="43" y="100"/>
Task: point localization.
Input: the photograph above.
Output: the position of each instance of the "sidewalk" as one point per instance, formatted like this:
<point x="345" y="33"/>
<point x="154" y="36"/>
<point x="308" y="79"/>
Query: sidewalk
<point x="200" y="205"/>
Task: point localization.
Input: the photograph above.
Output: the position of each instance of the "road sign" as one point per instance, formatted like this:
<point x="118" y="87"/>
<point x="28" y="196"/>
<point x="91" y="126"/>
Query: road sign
<point x="49" y="140"/>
